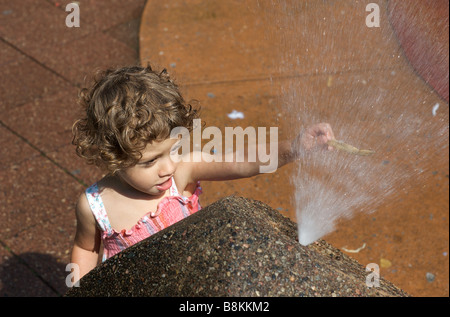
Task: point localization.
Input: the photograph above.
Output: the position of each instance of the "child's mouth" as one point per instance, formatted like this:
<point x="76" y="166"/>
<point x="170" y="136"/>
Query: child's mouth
<point x="165" y="186"/>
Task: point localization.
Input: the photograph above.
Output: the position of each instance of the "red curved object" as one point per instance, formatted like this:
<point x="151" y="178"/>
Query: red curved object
<point x="422" y="28"/>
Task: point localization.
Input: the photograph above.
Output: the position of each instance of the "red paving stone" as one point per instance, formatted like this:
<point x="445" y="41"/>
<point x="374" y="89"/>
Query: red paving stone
<point x="219" y="53"/>
<point x="44" y="63"/>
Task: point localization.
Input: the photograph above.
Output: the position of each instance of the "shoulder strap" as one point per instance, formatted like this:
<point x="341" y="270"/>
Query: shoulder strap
<point x="174" y="189"/>
<point x="98" y="208"/>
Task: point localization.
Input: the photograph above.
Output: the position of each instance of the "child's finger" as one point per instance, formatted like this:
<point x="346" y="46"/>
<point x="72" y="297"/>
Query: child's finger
<point x="330" y="134"/>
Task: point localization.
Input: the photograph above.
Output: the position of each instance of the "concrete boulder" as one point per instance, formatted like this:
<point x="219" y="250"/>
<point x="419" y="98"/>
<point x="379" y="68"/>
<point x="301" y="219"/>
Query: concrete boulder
<point x="234" y="247"/>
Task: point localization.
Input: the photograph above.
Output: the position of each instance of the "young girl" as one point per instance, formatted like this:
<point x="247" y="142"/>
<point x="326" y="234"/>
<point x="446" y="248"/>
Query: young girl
<point x="130" y="113"/>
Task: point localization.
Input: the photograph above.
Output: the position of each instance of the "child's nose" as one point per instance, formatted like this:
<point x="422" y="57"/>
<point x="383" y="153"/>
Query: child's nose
<point x="167" y="167"/>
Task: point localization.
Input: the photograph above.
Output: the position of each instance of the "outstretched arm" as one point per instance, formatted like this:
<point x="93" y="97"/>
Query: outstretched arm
<point x="239" y="164"/>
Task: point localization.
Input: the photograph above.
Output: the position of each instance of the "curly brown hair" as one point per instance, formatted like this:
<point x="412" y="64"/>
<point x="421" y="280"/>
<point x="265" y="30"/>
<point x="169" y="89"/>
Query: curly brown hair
<point x="126" y="109"/>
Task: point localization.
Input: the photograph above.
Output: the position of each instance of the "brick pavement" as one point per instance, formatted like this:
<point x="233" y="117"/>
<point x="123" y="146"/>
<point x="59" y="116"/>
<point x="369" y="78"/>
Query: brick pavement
<point x="44" y="63"/>
<point x="217" y="53"/>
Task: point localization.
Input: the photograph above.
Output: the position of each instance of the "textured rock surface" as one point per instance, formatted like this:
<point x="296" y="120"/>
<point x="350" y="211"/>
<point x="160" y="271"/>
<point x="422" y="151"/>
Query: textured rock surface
<point x="234" y="247"/>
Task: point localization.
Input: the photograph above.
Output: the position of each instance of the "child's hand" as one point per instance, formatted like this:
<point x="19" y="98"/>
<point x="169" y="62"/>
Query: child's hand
<point x="314" y="136"/>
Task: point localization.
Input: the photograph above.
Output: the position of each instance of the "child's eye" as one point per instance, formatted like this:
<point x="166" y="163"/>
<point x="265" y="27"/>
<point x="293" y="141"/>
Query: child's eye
<point x="148" y="163"/>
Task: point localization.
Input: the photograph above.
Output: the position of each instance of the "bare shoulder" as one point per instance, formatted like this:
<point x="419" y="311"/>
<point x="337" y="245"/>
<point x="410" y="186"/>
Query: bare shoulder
<point x="83" y="211"/>
<point x="185" y="176"/>
<point x="87" y="236"/>
<point x="202" y="166"/>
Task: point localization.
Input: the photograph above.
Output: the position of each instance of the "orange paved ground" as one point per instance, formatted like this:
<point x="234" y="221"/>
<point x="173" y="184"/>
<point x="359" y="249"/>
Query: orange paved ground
<point x="224" y="54"/>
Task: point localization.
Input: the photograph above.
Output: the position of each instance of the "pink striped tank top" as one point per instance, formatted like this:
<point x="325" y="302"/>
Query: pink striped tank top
<point x="173" y="208"/>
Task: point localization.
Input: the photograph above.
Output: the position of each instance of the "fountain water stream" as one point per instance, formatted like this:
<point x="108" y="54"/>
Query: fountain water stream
<point x="334" y="68"/>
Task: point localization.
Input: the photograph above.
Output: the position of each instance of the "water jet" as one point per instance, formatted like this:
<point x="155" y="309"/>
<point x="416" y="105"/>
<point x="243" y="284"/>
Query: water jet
<point x="358" y="79"/>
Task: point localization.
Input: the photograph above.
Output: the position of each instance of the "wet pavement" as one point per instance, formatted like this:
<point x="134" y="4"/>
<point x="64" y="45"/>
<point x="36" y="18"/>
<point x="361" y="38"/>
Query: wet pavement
<point x="219" y="53"/>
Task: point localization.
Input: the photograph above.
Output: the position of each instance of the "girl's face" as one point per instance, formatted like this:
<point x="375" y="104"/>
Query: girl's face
<point x="153" y="173"/>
